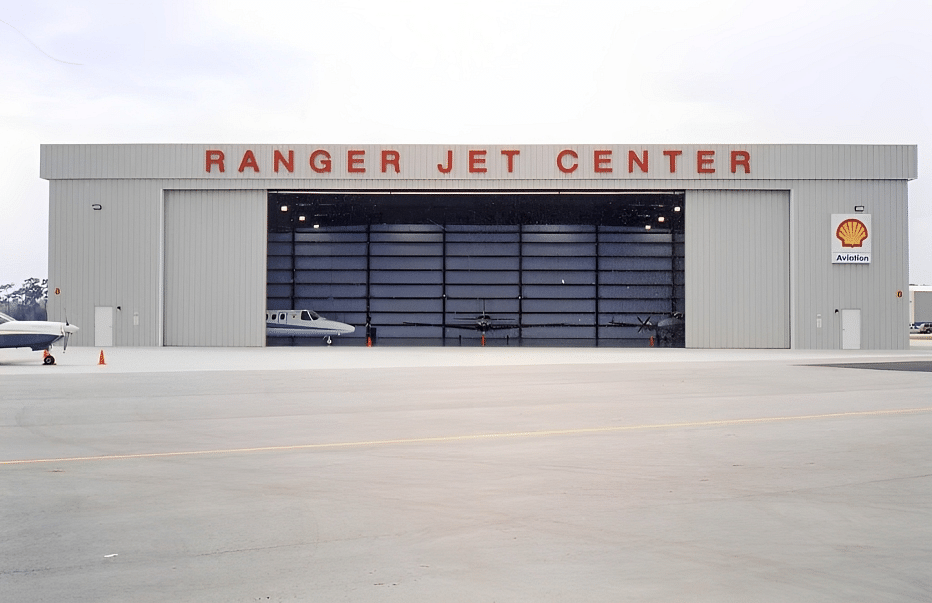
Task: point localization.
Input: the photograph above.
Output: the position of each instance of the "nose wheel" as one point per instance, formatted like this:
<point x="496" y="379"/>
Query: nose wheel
<point x="48" y="359"/>
<point x="328" y="340"/>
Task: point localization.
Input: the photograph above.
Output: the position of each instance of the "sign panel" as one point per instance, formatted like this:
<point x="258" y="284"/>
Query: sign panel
<point x="851" y="239"/>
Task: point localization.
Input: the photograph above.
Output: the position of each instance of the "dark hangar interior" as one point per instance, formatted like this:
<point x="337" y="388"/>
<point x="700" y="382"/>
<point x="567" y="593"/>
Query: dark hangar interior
<point x="550" y="269"/>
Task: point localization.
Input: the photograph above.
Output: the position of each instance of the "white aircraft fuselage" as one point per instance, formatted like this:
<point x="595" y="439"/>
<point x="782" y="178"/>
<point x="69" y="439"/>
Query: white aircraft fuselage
<point x="33" y="334"/>
<point x="303" y="323"/>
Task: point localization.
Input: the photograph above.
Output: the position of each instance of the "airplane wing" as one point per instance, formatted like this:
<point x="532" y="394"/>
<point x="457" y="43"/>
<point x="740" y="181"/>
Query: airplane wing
<point x="470" y="327"/>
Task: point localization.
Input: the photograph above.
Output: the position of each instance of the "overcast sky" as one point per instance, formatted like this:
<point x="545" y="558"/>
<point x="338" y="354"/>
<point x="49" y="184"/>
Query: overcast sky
<point x="491" y="72"/>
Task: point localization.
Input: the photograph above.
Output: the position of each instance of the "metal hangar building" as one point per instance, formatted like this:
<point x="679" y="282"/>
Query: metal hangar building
<point x="747" y="246"/>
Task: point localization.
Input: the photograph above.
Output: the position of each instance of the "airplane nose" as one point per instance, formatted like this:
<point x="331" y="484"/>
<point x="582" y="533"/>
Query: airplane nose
<point x="71" y="329"/>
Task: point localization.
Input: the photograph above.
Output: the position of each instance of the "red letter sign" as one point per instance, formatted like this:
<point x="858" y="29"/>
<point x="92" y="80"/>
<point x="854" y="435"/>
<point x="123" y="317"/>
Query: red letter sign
<point x="704" y="162"/>
<point x="477" y="162"/>
<point x="391" y="158"/>
<point x="354" y="162"/>
<point x="324" y="166"/>
<point x="214" y="158"/>
<point x="278" y="158"/>
<point x="249" y="160"/>
<point x="603" y="162"/>
<point x="449" y="167"/>
<point x="633" y="158"/>
<point x="567" y="169"/>
<point x="742" y="158"/>
<point x="673" y="155"/>
<point x="511" y="159"/>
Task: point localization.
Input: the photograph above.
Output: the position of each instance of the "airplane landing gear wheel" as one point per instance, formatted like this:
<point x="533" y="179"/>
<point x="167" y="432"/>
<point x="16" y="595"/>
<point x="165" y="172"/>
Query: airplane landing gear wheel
<point x="48" y="359"/>
<point x="328" y="340"/>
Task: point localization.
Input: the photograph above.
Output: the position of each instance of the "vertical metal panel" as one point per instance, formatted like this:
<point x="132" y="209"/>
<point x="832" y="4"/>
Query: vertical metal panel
<point x="737" y="269"/>
<point x="821" y="288"/>
<point x="106" y="257"/>
<point x="215" y="246"/>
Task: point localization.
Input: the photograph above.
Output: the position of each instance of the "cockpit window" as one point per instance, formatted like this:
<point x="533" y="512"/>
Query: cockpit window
<point x="308" y="315"/>
<point x="4" y="318"/>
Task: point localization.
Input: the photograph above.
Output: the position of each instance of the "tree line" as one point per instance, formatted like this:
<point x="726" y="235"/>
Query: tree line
<point x="26" y="303"/>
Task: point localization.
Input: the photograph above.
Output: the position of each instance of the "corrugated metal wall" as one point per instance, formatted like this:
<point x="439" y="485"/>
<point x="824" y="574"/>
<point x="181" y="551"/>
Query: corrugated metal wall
<point x="114" y="257"/>
<point x="215" y="247"/>
<point x="106" y="258"/>
<point x="737" y="269"/>
<point x="821" y="287"/>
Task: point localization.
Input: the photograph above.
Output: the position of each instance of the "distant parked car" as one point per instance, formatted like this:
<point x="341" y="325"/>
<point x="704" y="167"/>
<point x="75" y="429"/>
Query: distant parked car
<point x="920" y="327"/>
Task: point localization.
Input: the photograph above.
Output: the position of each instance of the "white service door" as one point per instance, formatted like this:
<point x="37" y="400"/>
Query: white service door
<point x="851" y="329"/>
<point x="103" y="326"/>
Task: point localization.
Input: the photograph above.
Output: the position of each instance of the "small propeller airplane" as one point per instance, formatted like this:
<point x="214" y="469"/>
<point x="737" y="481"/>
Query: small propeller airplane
<point x="670" y="332"/>
<point x="303" y="323"/>
<point x="483" y="323"/>
<point x="34" y="334"/>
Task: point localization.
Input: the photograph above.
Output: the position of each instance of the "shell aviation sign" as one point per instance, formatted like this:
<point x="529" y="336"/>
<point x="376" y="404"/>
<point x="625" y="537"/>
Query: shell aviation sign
<point x="851" y="239"/>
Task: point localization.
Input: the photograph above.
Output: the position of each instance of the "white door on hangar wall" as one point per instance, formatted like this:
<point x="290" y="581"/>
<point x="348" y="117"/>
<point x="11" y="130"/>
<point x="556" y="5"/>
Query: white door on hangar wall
<point x="103" y="326"/>
<point x="851" y="329"/>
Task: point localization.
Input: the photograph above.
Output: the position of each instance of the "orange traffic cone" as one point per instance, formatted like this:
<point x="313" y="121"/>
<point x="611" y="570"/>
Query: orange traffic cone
<point x="651" y="343"/>
<point x="101" y="361"/>
<point x="368" y="342"/>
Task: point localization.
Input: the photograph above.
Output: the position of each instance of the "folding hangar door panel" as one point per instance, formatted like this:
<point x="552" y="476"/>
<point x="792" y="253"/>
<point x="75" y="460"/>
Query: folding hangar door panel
<point x="546" y="269"/>
<point x="215" y="243"/>
<point x="737" y="267"/>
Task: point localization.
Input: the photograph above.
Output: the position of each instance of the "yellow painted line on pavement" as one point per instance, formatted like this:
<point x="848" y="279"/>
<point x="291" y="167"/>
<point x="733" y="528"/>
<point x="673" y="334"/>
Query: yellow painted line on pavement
<point x="485" y="436"/>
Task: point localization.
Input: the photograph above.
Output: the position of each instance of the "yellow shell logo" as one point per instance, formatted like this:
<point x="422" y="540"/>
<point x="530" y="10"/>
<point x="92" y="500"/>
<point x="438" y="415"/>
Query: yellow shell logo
<point x="851" y="233"/>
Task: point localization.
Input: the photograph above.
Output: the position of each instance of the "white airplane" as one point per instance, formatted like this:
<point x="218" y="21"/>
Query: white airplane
<point x="35" y="334"/>
<point x="303" y="323"/>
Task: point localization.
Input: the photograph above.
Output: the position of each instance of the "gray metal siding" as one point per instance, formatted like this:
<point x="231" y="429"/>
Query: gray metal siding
<point x="215" y="246"/>
<point x="821" y="288"/>
<point x="737" y="269"/>
<point x="109" y="257"/>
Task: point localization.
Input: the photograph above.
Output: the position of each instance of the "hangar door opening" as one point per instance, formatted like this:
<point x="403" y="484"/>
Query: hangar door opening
<point x="532" y="269"/>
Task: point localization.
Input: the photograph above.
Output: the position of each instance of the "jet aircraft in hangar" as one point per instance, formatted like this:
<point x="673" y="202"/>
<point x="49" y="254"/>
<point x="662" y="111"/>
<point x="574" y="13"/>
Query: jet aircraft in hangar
<point x="303" y="323"/>
<point x="34" y="334"/>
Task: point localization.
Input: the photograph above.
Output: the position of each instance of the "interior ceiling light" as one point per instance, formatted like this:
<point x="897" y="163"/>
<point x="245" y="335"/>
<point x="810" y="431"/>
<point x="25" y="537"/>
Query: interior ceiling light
<point x="301" y="218"/>
<point x="677" y="208"/>
<point x="661" y="219"/>
<point x="284" y="208"/>
<point x="647" y="227"/>
<point x="317" y="226"/>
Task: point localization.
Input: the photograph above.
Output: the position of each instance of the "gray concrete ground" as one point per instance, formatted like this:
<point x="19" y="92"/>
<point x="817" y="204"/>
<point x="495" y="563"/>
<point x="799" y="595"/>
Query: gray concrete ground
<point x="391" y="474"/>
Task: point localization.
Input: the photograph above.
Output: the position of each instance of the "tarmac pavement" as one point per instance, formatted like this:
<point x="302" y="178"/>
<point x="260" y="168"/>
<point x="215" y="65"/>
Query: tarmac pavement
<point x="447" y="474"/>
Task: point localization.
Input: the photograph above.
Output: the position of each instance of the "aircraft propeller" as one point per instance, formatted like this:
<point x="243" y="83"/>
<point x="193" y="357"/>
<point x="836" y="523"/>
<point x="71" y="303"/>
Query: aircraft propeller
<point x="644" y="324"/>
<point x="68" y="330"/>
